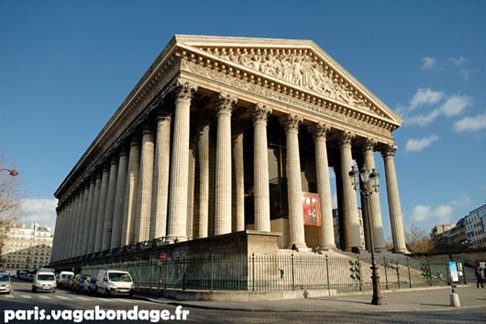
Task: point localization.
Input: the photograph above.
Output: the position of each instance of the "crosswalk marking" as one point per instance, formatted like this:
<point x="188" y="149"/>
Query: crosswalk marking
<point x="26" y="296"/>
<point x="63" y="297"/>
<point x="9" y="296"/>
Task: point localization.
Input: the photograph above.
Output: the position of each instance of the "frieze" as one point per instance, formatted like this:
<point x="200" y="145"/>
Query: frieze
<point x="241" y="83"/>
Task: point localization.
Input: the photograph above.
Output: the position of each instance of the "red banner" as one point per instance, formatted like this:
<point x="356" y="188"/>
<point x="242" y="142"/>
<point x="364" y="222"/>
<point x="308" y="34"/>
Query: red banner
<point x="312" y="209"/>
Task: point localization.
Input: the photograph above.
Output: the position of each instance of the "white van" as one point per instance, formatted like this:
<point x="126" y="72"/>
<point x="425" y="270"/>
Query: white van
<point x="44" y="281"/>
<point x="63" y="275"/>
<point x="115" y="282"/>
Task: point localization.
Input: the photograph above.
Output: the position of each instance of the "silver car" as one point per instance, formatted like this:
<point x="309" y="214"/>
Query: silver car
<point x="5" y="284"/>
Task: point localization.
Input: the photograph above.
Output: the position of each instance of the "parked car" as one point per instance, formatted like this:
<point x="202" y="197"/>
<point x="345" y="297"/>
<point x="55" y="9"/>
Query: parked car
<point x="63" y="275"/>
<point x="89" y="285"/>
<point x="115" y="282"/>
<point x="44" y="281"/>
<point x="5" y="284"/>
<point x="78" y="281"/>
<point x="68" y="282"/>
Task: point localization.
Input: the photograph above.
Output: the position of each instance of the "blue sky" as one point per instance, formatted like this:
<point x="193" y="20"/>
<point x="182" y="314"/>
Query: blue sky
<point x="66" y="66"/>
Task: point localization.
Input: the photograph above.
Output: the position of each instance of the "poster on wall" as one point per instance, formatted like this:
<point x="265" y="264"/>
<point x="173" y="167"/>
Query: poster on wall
<point x="312" y="209"/>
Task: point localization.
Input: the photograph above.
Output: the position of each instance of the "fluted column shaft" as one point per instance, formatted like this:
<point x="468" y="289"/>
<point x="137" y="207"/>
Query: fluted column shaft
<point x="76" y="221"/>
<point x="131" y="193"/>
<point x="110" y="206"/>
<point x="374" y="207"/>
<point x="179" y="165"/>
<point x="260" y="168"/>
<point x="94" y="215"/>
<point x="238" y="208"/>
<point x="87" y="221"/>
<point x="222" y="216"/>
<point x="158" y="220"/>
<point x="100" y="215"/>
<point x="144" y="201"/>
<point x="396" y="221"/>
<point x="291" y="124"/>
<point x="118" y="211"/>
<point x="352" y="236"/>
<point x="203" y="190"/>
<point x="326" y="232"/>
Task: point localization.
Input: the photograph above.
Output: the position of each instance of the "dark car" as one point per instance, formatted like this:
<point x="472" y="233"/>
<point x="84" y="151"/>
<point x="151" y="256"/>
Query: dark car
<point x="78" y="281"/>
<point x="89" y="285"/>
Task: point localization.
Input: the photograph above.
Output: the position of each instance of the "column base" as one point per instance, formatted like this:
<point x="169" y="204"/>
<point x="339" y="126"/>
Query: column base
<point x="401" y="250"/>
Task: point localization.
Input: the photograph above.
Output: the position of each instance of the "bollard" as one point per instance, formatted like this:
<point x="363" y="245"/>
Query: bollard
<point x="454" y="298"/>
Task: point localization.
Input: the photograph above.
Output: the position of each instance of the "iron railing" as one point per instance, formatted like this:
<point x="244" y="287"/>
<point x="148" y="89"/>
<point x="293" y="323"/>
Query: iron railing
<point x="259" y="273"/>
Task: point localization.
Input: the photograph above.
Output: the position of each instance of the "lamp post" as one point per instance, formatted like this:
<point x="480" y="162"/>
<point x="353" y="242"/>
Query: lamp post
<point x="370" y="183"/>
<point x="11" y="172"/>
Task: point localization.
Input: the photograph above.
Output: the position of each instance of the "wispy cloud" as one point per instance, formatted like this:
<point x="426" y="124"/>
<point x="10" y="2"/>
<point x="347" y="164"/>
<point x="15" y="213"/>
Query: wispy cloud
<point x="42" y="211"/>
<point x="417" y="145"/>
<point x="458" y="61"/>
<point x="425" y="96"/>
<point x="428" y="63"/>
<point x="426" y="216"/>
<point x="467" y="73"/>
<point x="452" y="106"/>
<point x="471" y="124"/>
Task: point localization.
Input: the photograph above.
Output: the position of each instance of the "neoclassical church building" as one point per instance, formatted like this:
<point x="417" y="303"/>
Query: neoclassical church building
<point x="224" y="135"/>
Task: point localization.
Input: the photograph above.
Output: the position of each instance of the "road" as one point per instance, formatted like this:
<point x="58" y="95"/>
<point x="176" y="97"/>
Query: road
<point x="69" y="306"/>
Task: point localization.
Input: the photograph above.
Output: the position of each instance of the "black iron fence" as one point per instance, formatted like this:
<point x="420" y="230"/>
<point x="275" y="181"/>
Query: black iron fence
<point x="280" y="272"/>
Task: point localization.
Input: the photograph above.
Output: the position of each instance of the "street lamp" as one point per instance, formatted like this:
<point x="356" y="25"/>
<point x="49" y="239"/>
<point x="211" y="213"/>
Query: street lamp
<point x="370" y="183"/>
<point x="11" y="172"/>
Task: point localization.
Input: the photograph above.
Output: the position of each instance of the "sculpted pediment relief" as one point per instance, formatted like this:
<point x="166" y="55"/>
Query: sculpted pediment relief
<point x="296" y="63"/>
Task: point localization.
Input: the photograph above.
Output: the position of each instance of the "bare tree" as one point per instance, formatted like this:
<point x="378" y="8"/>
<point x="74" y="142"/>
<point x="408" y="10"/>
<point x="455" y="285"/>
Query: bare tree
<point x="9" y="200"/>
<point x="417" y="241"/>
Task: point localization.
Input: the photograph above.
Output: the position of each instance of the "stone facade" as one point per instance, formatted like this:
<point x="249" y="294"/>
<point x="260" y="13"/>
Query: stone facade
<point x="224" y="134"/>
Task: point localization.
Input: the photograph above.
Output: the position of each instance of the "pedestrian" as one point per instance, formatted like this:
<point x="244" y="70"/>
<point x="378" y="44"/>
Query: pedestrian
<point x="479" y="276"/>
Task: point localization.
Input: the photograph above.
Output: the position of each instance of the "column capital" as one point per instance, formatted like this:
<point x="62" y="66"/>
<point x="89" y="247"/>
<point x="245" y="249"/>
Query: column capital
<point x="319" y="130"/>
<point x="185" y="90"/>
<point x="260" y="112"/>
<point x="388" y="151"/>
<point x="164" y="115"/>
<point x="291" y="122"/>
<point x="225" y="103"/>
<point x="369" y="145"/>
<point x="345" y="138"/>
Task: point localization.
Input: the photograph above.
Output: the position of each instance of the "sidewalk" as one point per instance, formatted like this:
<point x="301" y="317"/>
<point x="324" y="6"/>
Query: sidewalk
<point x="405" y="300"/>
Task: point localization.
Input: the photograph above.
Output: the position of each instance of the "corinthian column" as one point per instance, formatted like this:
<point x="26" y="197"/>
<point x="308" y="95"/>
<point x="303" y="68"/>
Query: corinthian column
<point x="238" y="221"/>
<point x="260" y="168"/>
<point x="158" y="221"/>
<point x="291" y="124"/>
<point x="395" y="209"/>
<point x="131" y="193"/>
<point x="374" y="200"/>
<point x="100" y="219"/>
<point x="110" y="205"/>
<point x="319" y="131"/>
<point x="121" y="183"/>
<point x="202" y="212"/>
<point x="144" y="200"/>
<point x="352" y="236"/>
<point x="222" y="215"/>
<point x="180" y="163"/>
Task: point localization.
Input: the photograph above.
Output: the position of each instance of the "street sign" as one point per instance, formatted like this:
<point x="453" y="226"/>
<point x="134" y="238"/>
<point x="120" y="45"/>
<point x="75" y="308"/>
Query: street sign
<point x="162" y="256"/>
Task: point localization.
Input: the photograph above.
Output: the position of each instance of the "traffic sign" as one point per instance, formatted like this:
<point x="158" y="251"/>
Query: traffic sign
<point x="162" y="256"/>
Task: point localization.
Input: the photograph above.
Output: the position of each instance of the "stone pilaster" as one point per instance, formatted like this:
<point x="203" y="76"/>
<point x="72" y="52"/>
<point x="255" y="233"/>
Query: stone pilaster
<point x="326" y="233"/>
<point x="177" y="221"/>
<point x="260" y="168"/>
<point x="121" y="184"/>
<point x="100" y="219"/>
<point x="396" y="221"/>
<point x="110" y="206"/>
<point x="144" y="196"/>
<point x="374" y="209"/>
<point x="350" y="207"/>
<point x="222" y="216"/>
<point x="202" y="213"/>
<point x="158" y="220"/>
<point x="291" y="124"/>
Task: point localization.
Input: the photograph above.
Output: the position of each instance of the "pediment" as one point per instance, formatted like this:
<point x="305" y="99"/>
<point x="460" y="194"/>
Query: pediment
<point x="297" y="63"/>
